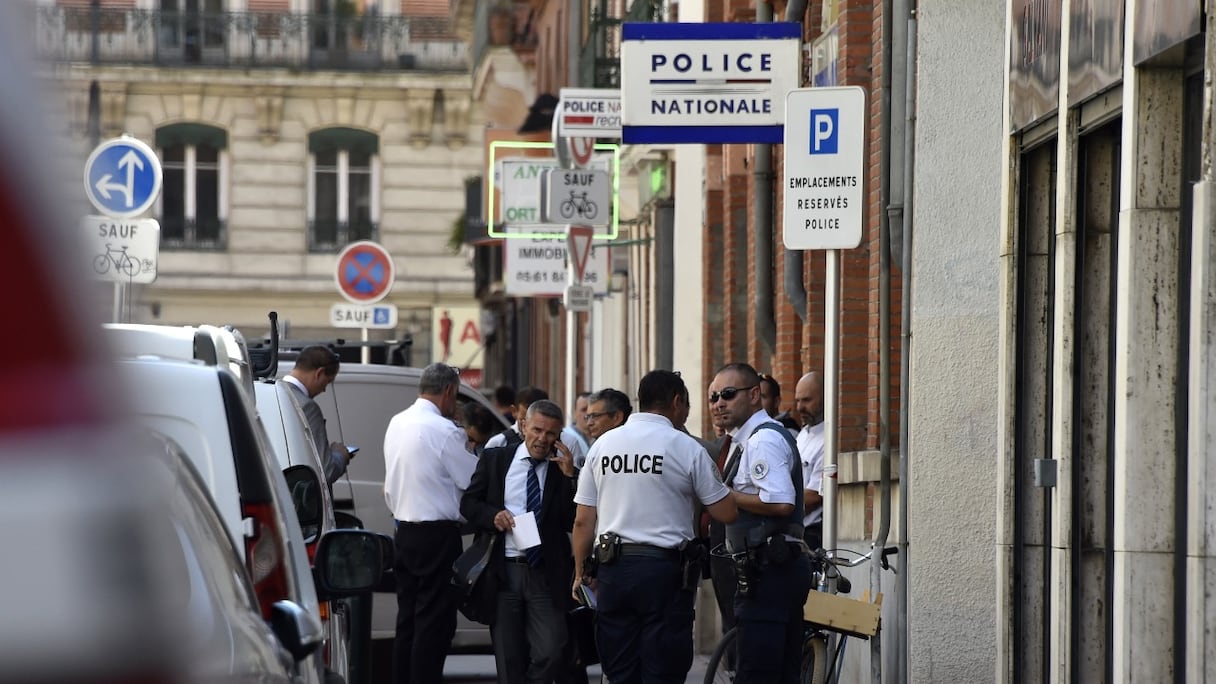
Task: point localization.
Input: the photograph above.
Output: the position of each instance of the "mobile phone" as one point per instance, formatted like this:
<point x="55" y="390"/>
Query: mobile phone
<point x="351" y="449"/>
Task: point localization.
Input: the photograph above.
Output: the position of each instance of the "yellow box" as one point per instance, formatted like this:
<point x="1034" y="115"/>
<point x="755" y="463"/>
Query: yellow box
<point x="842" y="614"/>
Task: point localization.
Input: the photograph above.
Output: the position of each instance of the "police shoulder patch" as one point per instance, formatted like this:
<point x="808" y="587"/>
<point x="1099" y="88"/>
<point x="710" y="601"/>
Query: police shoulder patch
<point x="759" y="470"/>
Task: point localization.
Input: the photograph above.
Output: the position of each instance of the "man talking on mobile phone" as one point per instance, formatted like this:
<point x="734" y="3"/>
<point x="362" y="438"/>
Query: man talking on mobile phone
<point x="527" y="486"/>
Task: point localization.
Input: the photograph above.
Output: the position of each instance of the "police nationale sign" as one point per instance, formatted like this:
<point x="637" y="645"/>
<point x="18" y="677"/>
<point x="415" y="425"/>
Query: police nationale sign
<point x="707" y="83"/>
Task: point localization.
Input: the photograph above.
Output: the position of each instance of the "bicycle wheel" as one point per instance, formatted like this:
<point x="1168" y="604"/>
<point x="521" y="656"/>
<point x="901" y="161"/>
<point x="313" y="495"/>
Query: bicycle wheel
<point x="101" y="263"/>
<point x="590" y="210"/>
<point x="814" y="660"/>
<point x="567" y="209"/>
<point x="129" y="265"/>
<point x="721" y="668"/>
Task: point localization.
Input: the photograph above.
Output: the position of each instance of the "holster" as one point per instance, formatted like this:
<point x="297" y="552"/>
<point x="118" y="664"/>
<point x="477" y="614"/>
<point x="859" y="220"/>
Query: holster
<point x="607" y="548"/>
<point x="694" y="559"/>
<point x="776" y="550"/>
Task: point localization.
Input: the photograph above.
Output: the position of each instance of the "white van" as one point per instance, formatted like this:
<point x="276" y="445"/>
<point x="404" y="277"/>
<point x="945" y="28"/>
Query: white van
<point x="206" y="412"/>
<point x="358" y="406"/>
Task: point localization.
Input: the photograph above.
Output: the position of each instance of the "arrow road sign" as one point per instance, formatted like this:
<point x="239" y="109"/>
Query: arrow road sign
<point x="365" y="272"/>
<point x="122" y="177"/>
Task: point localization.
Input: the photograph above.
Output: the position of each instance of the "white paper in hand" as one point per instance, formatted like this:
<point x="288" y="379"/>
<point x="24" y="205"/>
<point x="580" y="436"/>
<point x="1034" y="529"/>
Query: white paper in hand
<point x="525" y="533"/>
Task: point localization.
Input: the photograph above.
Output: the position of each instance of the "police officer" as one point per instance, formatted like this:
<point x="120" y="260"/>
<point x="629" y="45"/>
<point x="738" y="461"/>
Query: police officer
<point x="765" y="474"/>
<point x="635" y="498"/>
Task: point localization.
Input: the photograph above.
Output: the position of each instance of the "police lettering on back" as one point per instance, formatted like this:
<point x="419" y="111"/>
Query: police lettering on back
<point x="625" y="464"/>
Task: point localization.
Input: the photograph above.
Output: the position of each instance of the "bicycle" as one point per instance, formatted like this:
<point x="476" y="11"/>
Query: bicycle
<point x="816" y="667"/>
<point x="578" y="203"/>
<point x="121" y="261"/>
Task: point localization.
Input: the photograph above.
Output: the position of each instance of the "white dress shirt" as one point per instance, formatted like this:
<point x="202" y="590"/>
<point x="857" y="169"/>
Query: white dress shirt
<point x="810" y="450"/>
<point x="427" y="465"/>
<point x="515" y="490"/>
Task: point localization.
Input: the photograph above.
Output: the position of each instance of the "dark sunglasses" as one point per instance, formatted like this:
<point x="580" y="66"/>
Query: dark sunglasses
<point x="728" y="394"/>
<point x="593" y="416"/>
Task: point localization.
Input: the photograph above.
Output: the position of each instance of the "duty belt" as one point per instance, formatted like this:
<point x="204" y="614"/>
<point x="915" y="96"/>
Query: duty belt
<point x="649" y="551"/>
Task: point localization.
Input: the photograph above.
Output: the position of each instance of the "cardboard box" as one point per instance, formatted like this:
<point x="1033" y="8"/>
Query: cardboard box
<point x="854" y="617"/>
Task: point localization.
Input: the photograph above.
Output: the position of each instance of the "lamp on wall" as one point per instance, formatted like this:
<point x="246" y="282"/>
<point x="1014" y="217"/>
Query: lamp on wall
<point x="618" y="280"/>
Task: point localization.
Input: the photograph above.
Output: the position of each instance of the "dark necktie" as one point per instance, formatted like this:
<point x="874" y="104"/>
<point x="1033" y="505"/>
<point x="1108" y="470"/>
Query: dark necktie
<point x="533" y="554"/>
<point x="722" y="453"/>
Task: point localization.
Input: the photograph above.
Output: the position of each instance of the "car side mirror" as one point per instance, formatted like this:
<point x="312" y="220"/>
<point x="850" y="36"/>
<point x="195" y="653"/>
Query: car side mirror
<point x="298" y="630"/>
<point x="348" y="562"/>
<point x="306" y="496"/>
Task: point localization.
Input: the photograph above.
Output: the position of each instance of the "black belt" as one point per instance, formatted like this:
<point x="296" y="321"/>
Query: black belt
<point x="431" y="523"/>
<point x="649" y="551"/>
<point x="522" y="560"/>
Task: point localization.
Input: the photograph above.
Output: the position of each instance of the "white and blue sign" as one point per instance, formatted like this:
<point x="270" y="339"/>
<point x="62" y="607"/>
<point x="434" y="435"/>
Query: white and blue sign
<point x="122" y="177"/>
<point x="707" y="83"/>
<point x="377" y="316"/>
<point x="824" y="182"/>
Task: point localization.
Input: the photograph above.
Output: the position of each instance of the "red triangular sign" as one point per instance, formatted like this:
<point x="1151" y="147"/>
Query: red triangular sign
<point x="578" y="248"/>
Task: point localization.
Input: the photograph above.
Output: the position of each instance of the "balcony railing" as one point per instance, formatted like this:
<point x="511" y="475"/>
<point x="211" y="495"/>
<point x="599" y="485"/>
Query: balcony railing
<point x="327" y="235"/>
<point x="248" y="39"/>
<point x="600" y="59"/>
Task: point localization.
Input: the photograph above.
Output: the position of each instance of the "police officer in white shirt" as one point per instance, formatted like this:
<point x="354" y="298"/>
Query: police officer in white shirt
<point x="427" y="468"/>
<point x="636" y="499"/>
<point x="515" y="434"/>
<point x="765" y="474"/>
<point x="808" y="400"/>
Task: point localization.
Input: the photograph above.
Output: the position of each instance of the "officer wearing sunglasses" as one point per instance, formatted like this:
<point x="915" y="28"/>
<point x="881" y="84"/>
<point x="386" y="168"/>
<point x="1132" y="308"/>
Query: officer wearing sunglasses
<point x="764" y="473"/>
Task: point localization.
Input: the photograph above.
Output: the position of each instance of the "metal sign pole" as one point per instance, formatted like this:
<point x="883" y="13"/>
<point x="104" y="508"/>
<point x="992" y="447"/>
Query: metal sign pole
<point x="365" y="354"/>
<point x="831" y="385"/>
<point x="119" y="293"/>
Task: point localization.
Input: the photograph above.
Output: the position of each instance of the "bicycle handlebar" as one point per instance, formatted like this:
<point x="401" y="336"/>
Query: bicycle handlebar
<point x="830" y="557"/>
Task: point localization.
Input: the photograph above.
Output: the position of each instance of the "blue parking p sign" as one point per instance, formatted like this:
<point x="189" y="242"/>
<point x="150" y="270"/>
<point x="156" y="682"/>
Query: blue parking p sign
<point x="825" y="124"/>
<point x="122" y="177"/>
<point x="824" y="172"/>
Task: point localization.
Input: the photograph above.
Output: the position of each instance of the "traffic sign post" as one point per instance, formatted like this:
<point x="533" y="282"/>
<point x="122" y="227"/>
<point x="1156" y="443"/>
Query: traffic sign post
<point x="364" y="275"/>
<point x="378" y="316"/>
<point x="824" y="163"/>
<point x="365" y="272"/>
<point x="581" y="196"/>
<point x="122" y="177"/>
<point x="124" y="250"/>
<point x="578" y="249"/>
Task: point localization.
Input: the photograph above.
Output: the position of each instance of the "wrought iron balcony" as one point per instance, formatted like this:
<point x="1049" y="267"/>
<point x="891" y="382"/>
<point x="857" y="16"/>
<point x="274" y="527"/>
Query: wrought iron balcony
<point x="177" y="232"/>
<point x="600" y="60"/>
<point x="248" y="39"/>
<point x="327" y="235"/>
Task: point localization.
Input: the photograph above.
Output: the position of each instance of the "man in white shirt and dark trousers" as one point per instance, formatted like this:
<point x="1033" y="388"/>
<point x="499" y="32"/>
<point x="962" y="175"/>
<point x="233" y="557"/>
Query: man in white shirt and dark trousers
<point x="636" y="500"/>
<point x="529" y="584"/>
<point x="808" y="400"/>
<point x="427" y="469"/>
<point x="765" y="474"/>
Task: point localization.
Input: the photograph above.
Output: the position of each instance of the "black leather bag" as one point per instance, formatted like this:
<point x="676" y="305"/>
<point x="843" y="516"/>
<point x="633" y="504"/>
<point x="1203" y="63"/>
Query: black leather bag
<point x="477" y="593"/>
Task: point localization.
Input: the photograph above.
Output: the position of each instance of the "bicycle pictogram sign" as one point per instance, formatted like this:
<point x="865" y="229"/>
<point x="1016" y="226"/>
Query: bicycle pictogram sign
<point x="579" y="204"/>
<point x="364" y="272"/>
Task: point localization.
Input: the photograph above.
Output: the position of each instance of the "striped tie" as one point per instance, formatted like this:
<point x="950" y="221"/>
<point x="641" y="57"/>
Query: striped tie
<point x="533" y="554"/>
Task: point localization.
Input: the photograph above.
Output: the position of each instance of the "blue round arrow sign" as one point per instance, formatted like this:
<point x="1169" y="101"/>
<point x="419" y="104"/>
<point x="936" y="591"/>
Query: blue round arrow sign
<point x="122" y="177"/>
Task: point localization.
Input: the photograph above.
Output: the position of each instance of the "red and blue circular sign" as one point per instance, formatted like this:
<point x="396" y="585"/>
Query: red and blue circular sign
<point x="365" y="272"/>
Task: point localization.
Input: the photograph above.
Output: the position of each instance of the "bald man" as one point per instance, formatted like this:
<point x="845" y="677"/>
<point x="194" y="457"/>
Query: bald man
<point x="808" y="400"/>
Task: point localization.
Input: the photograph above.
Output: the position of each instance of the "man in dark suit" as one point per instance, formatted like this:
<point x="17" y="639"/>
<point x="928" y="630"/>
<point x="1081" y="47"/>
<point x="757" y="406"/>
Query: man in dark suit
<point x="529" y="586"/>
